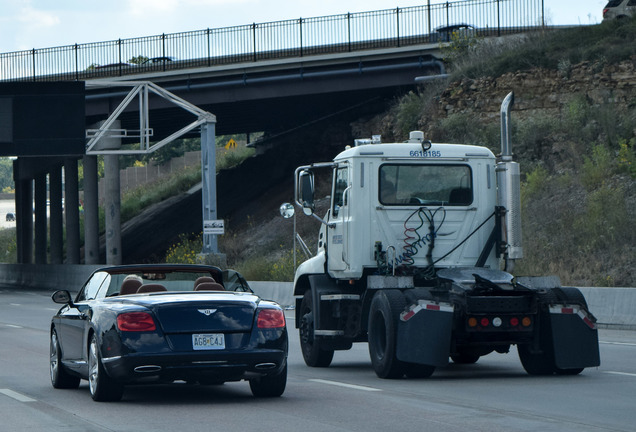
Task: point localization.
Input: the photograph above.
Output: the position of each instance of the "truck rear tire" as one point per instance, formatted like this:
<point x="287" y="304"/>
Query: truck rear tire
<point x="384" y="314"/>
<point x="540" y="363"/>
<point x="415" y="370"/>
<point x="313" y="353"/>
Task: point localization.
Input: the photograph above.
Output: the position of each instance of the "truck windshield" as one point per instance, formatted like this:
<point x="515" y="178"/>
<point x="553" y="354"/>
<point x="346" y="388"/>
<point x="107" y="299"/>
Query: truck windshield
<point x="408" y="184"/>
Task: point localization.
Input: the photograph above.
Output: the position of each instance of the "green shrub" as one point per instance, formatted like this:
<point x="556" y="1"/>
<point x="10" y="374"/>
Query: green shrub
<point x="186" y="250"/>
<point x="535" y="184"/>
<point x="627" y="157"/>
<point x="596" y="167"/>
<point x="605" y="220"/>
<point x="9" y="245"/>
<point x="409" y="112"/>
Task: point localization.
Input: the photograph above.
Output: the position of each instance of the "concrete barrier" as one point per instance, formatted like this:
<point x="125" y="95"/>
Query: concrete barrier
<point x="612" y="307"/>
<point x="280" y="292"/>
<point x="48" y="277"/>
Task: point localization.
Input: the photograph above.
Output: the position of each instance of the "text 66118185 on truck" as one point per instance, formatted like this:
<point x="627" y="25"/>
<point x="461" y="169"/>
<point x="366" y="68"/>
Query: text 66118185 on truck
<point x="416" y="255"/>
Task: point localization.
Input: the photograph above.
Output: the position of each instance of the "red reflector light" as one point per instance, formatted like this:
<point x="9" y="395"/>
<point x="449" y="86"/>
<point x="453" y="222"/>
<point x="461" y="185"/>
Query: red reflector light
<point x="514" y="322"/>
<point x="567" y="310"/>
<point x="407" y="316"/>
<point x="433" y="307"/>
<point x="135" y="321"/>
<point x="270" y="318"/>
<point x="484" y="322"/>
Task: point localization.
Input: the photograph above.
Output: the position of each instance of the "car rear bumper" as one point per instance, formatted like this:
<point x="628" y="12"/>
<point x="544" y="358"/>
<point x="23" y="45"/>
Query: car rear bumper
<point x="214" y="366"/>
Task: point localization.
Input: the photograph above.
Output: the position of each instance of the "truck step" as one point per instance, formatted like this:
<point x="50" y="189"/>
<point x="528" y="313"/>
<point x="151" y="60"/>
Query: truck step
<point x="334" y="297"/>
<point x="329" y="332"/>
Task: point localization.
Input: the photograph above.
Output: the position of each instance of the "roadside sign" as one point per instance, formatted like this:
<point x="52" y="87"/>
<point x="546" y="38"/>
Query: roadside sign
<point x="230" y="144"/>
<point x="215" y="226"/>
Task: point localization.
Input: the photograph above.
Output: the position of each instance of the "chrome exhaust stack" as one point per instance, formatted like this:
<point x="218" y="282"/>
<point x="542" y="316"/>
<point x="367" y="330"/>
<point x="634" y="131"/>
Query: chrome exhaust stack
<point x="509" y="190"/>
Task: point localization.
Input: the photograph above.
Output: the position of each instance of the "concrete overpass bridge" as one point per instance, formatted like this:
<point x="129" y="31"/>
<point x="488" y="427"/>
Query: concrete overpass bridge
<point x="267" y="77"/>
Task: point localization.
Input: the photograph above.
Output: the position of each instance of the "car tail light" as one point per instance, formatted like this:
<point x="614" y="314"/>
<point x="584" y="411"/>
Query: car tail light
<point x="270" y="318"/>
<point x="135" y="321"/>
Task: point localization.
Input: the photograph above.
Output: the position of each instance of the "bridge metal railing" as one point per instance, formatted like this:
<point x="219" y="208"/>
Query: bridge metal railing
<point x="271" y="40"/>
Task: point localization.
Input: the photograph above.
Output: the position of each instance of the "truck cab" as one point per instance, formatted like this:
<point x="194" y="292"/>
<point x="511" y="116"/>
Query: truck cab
<point x="415" y="256"/>
<point x="421" y="204"/>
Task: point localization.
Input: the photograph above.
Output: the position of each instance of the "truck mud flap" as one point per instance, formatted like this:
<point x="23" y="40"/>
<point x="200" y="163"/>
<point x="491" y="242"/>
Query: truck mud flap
<point x="574" y="337"/>
<point x="424" y="333"/>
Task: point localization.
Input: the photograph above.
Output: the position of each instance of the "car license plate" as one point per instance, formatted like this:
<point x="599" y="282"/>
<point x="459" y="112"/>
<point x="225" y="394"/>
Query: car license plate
<point x="214" y="341"/>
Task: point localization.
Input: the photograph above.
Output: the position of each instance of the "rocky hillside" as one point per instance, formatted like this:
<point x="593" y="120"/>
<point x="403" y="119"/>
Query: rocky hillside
<point x="574" y="133"/>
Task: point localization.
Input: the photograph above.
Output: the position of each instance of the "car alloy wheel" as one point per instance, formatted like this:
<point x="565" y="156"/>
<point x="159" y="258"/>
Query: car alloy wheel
<point x="103" y="388"/>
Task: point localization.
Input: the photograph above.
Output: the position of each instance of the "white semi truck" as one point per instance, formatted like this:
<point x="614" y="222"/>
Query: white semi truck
<point x="415" y="256"/>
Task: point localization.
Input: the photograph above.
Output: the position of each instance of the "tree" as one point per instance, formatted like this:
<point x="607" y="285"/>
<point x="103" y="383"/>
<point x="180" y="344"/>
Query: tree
<point x="138" y="60"/>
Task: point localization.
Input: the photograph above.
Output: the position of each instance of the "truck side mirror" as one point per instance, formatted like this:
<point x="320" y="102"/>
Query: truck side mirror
<point x="306" y="191"/>
<point x="286" y="210"/>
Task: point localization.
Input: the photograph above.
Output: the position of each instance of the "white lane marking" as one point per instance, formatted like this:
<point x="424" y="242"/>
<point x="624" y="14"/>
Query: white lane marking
<point x="618" y="343"/>
<point x="13" y="326"/>
<point x="620" y="373"/>
<point x="17" y="396"/>
<point x="341" y="384"/>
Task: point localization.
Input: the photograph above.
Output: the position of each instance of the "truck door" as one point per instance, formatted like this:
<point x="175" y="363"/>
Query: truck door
<point x="337" y="235"/>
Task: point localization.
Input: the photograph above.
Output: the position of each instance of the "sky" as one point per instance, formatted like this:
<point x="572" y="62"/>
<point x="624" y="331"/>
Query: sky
<point x="27" y="24"/>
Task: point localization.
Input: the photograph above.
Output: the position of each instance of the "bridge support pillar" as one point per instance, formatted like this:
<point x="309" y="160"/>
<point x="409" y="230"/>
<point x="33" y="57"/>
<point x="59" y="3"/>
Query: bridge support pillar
<point x="71" y="204"/>
<point x="24" y="215"/>
<point x="112" y="207"/>
<point x="91" y="215"/>
<point x="40" y="218"/>
<point x="56" y="220"/>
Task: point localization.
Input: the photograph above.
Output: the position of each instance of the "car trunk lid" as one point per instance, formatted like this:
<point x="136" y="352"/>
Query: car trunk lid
<point x="202" y="312"/>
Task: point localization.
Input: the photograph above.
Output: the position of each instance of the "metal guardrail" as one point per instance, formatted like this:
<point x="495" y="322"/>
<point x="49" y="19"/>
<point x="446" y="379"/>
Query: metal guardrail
<point x="271" y="40"/>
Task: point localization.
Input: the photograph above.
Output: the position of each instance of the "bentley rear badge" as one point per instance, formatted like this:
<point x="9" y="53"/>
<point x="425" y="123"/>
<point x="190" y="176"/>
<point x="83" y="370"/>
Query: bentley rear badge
<point x="207" y="312"/>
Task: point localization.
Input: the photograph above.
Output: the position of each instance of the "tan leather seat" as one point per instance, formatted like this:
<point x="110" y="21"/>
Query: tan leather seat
<point x="151" y="287"/>
<point x="201" y="280"/>
<point x="129" y="286"/>
<point x="209" y="286"/>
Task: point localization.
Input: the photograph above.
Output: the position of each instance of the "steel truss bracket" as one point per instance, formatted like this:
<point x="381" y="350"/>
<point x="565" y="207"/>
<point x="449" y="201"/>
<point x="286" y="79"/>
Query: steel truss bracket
<point x="97" y="144"/>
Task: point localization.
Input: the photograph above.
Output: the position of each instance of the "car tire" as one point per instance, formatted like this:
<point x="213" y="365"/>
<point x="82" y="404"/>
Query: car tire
<point x="314" y="354"/>
<point x="60" y="378"/>
<point x="102" y="387"/>
<point x="383" y="319"/>
<point x="270" y="385"/>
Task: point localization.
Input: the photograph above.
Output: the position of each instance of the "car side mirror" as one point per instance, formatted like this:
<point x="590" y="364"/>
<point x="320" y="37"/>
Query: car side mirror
<point x="62" y="297"/>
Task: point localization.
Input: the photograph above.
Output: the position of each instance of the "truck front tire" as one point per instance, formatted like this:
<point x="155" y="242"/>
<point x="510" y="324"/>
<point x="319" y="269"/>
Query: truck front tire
<point x="313" y="353"/>
<point x="384" y="314"/>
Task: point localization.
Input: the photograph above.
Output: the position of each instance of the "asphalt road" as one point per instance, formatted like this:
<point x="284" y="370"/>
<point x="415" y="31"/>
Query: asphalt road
<point x="493" y="395"/>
